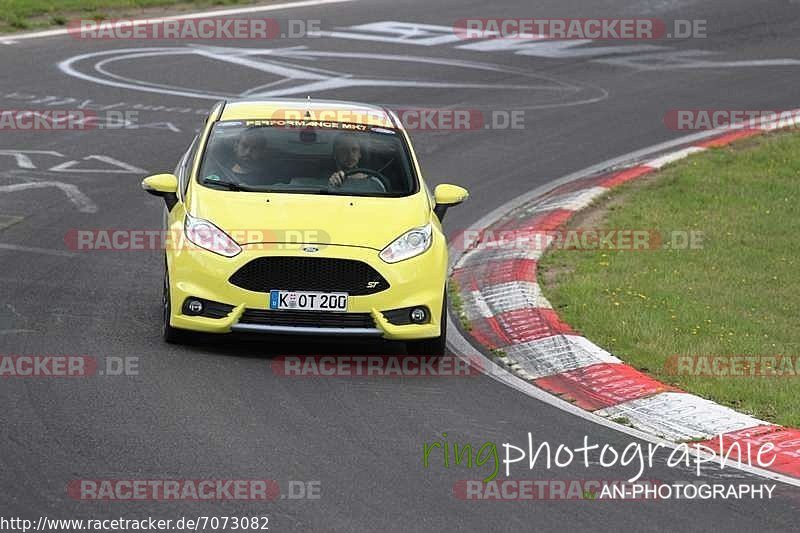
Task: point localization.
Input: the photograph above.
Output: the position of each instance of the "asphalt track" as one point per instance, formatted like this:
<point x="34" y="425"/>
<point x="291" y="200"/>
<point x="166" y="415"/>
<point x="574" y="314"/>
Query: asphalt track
<point x="216" y="410"/>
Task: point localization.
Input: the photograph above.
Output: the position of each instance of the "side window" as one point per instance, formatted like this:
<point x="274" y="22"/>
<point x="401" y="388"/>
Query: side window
<point x="185" y="166"/>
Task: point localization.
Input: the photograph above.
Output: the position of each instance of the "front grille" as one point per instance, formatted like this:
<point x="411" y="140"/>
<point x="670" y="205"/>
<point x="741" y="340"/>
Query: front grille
<point x="318" y="319"/>
<point x="309" y="274"/>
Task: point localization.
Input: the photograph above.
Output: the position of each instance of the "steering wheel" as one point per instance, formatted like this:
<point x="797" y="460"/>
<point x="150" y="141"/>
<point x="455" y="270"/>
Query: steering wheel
<point x="376" y="177"/>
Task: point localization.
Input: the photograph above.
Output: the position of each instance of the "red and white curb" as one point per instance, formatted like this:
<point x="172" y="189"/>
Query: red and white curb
<point x="506" y="314"/>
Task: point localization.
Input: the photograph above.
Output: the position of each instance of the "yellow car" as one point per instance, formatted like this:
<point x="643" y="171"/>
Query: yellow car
<point x="304" y="217"/>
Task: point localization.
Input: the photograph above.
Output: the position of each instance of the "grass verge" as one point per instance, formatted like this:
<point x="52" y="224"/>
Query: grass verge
<point x="457" y="304"/>
<point x="23" y="15"/>
<point x="739" y="294"/>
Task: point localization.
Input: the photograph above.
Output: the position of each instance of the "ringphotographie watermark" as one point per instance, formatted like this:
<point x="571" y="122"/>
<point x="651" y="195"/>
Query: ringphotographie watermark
<point x="625" y="29"/>
<point x="488" y="457"/>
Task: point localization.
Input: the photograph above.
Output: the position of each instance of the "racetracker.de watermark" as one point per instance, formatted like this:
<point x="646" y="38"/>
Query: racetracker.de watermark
<point x="376" y="366"/>
<point x="625" y="29"/>
<point x="579" y="239"/>
<point x="604" y="490"/>
<point x="138" y="240"/>
<point x="207" y="490"/>
<point x="428" y="119"/>
<point x="66" y="366"/>
<point x="713" y="119"/>
<point x="64" y="120"/>
<point x="203" y="28"/>
<point x="411" y="118"/>
<point x="734" y="366"/>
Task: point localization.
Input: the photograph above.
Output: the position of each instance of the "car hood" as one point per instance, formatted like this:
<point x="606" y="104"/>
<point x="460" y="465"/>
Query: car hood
<point x="309" y="218"/>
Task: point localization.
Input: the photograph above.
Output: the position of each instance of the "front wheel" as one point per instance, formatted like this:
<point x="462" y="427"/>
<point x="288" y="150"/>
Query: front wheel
<point x="434" y="347"/>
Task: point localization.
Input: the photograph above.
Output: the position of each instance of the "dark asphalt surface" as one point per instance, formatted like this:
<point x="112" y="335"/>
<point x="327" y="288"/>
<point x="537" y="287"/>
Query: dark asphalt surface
<point x="216" y="410"/>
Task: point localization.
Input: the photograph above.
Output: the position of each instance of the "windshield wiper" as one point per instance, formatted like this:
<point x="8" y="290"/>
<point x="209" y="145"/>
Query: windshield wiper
<point x="230" y="185"/>
<point x="299" y="190"/>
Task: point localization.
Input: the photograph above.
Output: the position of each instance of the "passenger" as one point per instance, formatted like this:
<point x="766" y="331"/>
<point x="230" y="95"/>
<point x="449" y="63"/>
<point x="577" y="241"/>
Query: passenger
<point x="248" y="164"/>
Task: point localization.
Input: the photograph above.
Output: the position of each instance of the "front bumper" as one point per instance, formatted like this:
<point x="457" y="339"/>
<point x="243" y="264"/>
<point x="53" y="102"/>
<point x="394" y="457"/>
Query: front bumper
<point x="418" y="281"/>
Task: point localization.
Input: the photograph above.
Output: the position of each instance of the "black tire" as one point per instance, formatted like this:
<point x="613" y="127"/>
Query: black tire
<point x="435" y="347"/>
<point x="168" y="333"/>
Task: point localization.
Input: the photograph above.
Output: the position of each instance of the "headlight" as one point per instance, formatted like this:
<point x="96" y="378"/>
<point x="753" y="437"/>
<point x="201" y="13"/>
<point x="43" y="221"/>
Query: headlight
<point x="209" y="237"/>
<point x="408" y="245"/>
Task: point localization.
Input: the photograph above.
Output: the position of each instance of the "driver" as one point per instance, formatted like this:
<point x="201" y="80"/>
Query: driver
<point x="347" y="154"/>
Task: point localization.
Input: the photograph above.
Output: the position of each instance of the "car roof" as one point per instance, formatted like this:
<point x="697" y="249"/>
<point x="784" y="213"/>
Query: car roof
<point x="307" y="109"/>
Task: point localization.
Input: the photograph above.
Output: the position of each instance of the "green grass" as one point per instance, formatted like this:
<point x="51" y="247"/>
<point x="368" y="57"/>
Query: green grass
<point x="457" y="304"/>
<point x="17" y="15"/>
<point x="739" y="294"/>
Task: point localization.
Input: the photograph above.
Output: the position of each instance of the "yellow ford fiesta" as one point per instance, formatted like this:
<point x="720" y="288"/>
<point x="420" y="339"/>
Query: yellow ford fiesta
<point x="300" y="217"/>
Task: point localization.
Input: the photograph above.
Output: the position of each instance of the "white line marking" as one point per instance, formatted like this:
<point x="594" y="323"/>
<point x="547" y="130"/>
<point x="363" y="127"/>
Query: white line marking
<point x="81" y="201"/>
<point x="24" y="161"/>
<point x="100" y="67"/>
<point x="122" y="168"/>
<point x="7" y="221"/>
<point x="67" y="68"/>
<point x="188" y="16"/>
<point x="318" y="82"/>
<point x="45" y="251"/>
<point x="734" y="64"/>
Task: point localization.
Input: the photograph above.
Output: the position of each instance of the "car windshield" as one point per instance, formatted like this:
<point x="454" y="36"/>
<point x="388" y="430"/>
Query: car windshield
<point x="307" y="157"/>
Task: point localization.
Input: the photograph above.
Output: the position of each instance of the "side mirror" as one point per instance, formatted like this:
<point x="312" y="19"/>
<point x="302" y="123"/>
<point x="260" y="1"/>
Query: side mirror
<point x="447" y="196"/>
<point x="163" y="185"/>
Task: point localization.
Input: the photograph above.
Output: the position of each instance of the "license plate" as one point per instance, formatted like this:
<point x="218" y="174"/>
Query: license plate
<point x="308" y="301"/>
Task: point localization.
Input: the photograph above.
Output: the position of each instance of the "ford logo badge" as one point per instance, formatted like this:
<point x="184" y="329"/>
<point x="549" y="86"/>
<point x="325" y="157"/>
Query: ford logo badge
<point x="311" y="249"/>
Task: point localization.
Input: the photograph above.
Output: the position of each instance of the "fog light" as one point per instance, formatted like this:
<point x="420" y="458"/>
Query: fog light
<point x="195" y="307"/>
<point x="418" y="315"/>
